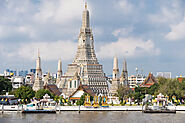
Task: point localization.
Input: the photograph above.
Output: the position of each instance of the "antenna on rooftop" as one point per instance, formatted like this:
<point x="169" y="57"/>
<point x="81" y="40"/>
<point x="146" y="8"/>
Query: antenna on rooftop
<point x="136" y="71"/>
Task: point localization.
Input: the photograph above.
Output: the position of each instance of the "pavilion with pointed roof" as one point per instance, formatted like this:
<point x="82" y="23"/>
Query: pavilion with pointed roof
<point x="149" y="81"/>
<point x="80" y="91"/>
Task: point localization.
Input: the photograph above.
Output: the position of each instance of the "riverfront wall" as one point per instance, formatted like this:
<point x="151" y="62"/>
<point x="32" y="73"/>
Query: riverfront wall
<point x="82" y="108"/>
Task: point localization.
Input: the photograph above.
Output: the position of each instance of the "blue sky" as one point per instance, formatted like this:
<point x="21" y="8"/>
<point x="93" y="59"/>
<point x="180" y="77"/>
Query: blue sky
<point x="150" y="34"/>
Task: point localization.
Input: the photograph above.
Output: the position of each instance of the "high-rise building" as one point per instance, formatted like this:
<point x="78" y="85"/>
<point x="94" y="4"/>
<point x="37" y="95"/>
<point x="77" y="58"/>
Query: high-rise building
<point x="33" y="71"/>
<point x="23" y="73"/>
<point x="85" y="65"/>
<point x="164" y="74"/>
<point x="38" y="84"/>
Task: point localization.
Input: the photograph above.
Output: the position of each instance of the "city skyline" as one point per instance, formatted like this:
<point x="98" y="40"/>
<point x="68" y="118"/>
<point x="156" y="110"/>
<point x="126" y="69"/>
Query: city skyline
<point x="53" y="27"/>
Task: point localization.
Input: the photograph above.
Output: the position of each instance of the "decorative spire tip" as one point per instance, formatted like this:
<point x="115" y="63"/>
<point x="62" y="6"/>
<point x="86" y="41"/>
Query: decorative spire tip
<point x="85" y="5"/>
<point x="38" y="53"/>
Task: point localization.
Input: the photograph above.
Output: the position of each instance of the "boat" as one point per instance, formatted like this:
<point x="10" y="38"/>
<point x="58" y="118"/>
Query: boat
<point x="158" y="109"/>
<point x="45" y="105"/>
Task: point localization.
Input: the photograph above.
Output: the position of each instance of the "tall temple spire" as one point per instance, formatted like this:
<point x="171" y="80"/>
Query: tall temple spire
<point x="38" y="84"/>
<point x="124" y="74"/>
<point x="59" y="65"/>
<point x="115" y="78"/>
<point x="86" y="5"/>
<point x="115" y="68"/>
<point x="85" y="18"/>
<point x="38" y="52"/>
<point x="85" y="41"/>
<point x="59" y="72"/>
<point x="91" y="73"/>
<point x="38" y="61"/>
<point x="115" y="64"/>
<point x="124" y="65"/>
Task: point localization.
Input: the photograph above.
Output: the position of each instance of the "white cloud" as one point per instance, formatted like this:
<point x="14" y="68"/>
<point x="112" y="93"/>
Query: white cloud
<point x="177" y="32"/>
<point x="169" y="12"/>
<point x="130" y="47"/>
<point x="48" y="50"/>
<point x="59" y="11"/>
<point x="123" y="31"/>
<point x="126" y="6"/>
<point x="28" y="30"/>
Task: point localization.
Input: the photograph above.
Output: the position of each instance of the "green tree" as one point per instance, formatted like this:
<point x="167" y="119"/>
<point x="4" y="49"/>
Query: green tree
<point x="5" y="85"/>
<point x="82" y="99"/>
<point x="122" y="92"/>
<point x="40" y="93"/>
<point x="24" y="92"/>
<point x="171" y="87"/>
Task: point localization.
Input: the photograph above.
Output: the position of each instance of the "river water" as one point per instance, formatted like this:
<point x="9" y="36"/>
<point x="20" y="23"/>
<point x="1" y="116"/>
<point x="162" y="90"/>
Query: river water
<point x="92" y="117"/>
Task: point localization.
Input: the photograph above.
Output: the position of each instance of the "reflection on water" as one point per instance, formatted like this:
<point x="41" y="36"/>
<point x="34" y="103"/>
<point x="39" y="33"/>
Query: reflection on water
<point x="91" y="117"/>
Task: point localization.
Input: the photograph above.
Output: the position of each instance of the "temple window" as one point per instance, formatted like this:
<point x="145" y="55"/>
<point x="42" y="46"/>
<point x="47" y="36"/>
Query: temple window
<point x="70" y="84"/>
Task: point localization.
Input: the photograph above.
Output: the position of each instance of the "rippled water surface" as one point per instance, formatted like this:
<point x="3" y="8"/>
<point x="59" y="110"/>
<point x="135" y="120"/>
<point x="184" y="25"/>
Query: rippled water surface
<point x="92" y="117"/>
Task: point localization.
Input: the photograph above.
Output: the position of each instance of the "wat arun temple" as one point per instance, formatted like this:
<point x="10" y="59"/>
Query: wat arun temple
<point x="85" y="68"/>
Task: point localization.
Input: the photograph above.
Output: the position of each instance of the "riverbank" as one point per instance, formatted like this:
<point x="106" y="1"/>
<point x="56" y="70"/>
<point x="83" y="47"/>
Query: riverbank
<point x="82" y="108"/>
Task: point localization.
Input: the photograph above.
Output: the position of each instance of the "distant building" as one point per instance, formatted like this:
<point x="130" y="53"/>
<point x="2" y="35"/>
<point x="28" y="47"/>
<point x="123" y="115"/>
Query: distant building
<point x="9" y="72"/>
<point x="29" y="79"/>
<point x="164" y="74"/>
<point x="17" y="82"/>
<point x="33" y="71"/>
<point x="180" y="78"/>
<point x="23" y="73"/>
<point x="136" y="80"/>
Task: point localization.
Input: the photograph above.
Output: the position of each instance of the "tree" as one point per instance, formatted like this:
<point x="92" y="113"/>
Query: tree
<point x="24" y="92"/>
<point x="82" y="99"/>
<point x="6" y="85"/>
<point x="171" y="87"/>
<point x="122" y="92"/>
<point x="40" y="93"/>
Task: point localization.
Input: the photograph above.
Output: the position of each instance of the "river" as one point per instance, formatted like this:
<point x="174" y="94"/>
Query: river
<point x="93" y="117"/>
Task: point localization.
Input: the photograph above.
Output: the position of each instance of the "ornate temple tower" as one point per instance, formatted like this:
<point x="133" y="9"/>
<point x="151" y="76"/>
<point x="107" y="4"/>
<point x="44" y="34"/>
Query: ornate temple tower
<point x="85" y="63"/>
<point x="124" y="74"/>
<point x="38" y="84"/>
<point x="47" y="79"/>
<point x="115" y="74"/>
<point x="115" y="78"/>
<point x="59" y="72"/>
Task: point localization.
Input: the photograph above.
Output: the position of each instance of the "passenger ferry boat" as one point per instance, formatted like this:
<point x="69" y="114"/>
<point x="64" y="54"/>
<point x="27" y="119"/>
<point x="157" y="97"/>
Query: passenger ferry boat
<point x="45" y="105"/>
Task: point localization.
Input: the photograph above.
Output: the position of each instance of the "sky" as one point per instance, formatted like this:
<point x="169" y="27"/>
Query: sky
<point x="150" y="34"/>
